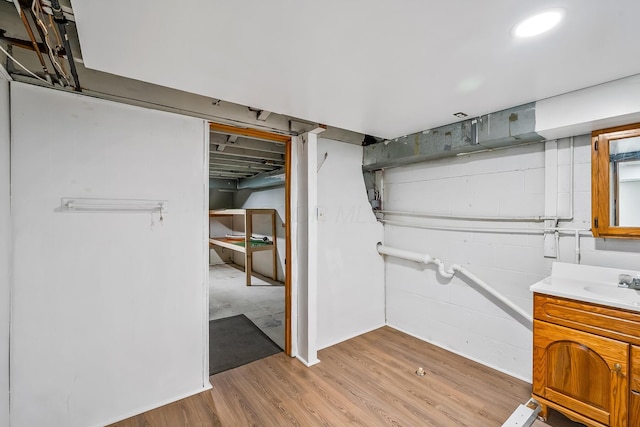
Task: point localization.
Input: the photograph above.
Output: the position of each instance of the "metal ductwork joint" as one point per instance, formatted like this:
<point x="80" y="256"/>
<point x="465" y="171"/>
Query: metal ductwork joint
<point x="513" y="126"/>
<point x="500" y="129"/>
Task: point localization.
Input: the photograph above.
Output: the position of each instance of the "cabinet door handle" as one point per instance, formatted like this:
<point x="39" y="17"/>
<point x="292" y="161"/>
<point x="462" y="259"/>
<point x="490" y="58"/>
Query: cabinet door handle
<point x="617" y="367"/>
<point x="636" y="392"/>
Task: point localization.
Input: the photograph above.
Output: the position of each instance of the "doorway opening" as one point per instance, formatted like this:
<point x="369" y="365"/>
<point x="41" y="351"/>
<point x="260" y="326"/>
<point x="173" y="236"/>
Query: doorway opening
<point x="249" y="242"/>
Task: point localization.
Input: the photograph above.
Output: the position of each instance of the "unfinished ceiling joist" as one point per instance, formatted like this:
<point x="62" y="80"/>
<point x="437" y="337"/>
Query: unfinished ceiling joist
<point x="249" y="133"/>
<point x="247" y="144"/>
<point x="263" y="115"/>
<point x="241" y="161"/>
<point x="232" y="166"/>
<point x="507" y="127"/>
<point x="238" y="152"/>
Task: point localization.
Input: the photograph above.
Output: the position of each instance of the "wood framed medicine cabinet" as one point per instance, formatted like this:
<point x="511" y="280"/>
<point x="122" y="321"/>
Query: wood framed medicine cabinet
<point x="615" y="182"/>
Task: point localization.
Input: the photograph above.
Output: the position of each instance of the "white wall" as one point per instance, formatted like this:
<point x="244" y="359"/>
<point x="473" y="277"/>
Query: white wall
<point x="219" y="227"/>
<point x="579" y="112"/>
<point x="268" y="198"/>
<point x="350" y="271"/>
<point x="109" y="309"/>
<point x="5" y="249"/>
<point x="220" y="199"/>
<point x="629" y="202"/>
<point x="451" y="313"/>
<point x="304" y="232"/>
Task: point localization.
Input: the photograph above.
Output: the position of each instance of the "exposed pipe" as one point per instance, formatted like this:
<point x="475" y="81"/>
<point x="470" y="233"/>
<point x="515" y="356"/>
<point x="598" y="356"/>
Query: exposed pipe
<point x="455" y="268"/>
<point x="467" y="217"/>
<point x="41" y="28"/>
<point x="61" y="21"/>
<point x="9" y="56"/>
<point x="572" y="168"/>
<point x="416" y="257"/>
<point x="526" y="316"/>
<point x="532" y="218"/>
<point x="574" y="231"/>
<point x="34" y="43"/>
<point x="489" y="230"/>
<point x="25" y="44"/>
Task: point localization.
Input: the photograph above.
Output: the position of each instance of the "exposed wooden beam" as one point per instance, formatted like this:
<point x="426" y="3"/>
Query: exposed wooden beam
<point x="263" y="115"/>
<point x="231" y="166"/>
<point x="233" y="151"/>
<point x="226" y="159"/>
<point x="251" y="133"/>
<point x="223" y="141"/>
<point x="229" y="174"/>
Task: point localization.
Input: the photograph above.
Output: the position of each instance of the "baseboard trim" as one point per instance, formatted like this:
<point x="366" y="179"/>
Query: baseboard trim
<point x="306" y="363"/>
<point x="152" y="406"/>
<point x="352" y="336"/>
<point x="488" y="365"/>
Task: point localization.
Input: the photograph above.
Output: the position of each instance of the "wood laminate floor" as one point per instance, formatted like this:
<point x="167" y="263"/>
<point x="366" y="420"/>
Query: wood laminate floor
<point x="369" y="380"/>
<point x="262" y="303"/>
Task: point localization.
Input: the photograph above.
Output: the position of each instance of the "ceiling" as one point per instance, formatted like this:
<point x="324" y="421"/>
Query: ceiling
<point x="382" y="68"/>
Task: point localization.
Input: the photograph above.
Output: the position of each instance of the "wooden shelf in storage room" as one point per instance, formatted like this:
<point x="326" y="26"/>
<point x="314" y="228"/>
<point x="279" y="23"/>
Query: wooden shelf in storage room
<point x="248" y="246"/>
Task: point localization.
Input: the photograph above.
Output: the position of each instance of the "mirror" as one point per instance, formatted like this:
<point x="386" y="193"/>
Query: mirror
<point x="615" y="182"/>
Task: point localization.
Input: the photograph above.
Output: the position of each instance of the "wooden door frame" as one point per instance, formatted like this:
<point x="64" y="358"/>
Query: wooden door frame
<point x="283" y="139"/>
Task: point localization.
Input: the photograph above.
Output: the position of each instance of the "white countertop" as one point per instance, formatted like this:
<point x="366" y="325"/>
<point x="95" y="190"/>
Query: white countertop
<point x="598" y="285"/>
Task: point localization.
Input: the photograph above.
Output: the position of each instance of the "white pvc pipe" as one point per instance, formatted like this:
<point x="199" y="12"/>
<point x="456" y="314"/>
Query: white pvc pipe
<point x="492" y="291"/>
<point x="572" y="167"/>
<point x="401" y="253"/>
<point x="532" y="218"/>
<point x="428" y="259"/>
<point x="507" y="230"/>
<point x="466" y="217"/>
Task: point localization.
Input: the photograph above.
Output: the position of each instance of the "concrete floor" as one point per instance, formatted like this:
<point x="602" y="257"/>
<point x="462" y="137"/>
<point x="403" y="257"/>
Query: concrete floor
<point x="262" y="303"/>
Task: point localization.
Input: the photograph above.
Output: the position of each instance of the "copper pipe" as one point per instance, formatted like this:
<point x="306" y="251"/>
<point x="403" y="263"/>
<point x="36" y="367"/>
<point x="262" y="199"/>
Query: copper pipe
<point x="33" y="40"/>
<point x="43" y="36"/>
<point x="26" y="44"/>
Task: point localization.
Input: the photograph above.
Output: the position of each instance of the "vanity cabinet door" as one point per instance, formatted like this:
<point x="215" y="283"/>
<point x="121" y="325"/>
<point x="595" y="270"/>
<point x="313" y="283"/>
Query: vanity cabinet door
<point x="634" y="386"/>
<point x="582" y="372"/>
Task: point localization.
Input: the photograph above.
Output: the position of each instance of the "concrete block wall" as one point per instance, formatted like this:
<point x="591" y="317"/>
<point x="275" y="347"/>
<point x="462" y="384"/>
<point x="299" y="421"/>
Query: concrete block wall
<point x="454" y="313"/>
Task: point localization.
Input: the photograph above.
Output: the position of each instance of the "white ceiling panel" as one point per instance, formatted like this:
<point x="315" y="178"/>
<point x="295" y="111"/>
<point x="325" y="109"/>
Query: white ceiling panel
<point x="385" y="68"/>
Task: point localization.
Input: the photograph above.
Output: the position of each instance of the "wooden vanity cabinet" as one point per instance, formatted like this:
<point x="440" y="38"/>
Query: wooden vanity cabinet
<point x="586" y="361"/>
<point x="634" y="388"/>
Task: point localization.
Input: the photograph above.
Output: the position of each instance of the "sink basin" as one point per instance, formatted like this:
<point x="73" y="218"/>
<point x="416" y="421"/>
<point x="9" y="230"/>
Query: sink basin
<point x="623" y="295"/>
<point x="598" y="285"/>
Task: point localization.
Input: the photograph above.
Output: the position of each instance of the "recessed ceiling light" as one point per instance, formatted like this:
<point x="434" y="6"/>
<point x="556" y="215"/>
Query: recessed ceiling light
<point x="538" y="24"/>
<point x="460" y="115"/>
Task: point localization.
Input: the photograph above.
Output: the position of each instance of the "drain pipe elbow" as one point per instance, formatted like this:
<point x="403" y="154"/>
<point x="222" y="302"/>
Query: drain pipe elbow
<point x="447" y="274"/>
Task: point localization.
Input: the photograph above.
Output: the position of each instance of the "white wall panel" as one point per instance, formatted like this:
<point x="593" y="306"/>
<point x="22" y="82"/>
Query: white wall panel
<point x="305" y="250"/>
<point x="454" y="313"/>
<point x="109" y="314"/>
<point x="5" y="249"/>
<point x="350" y="271"/>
